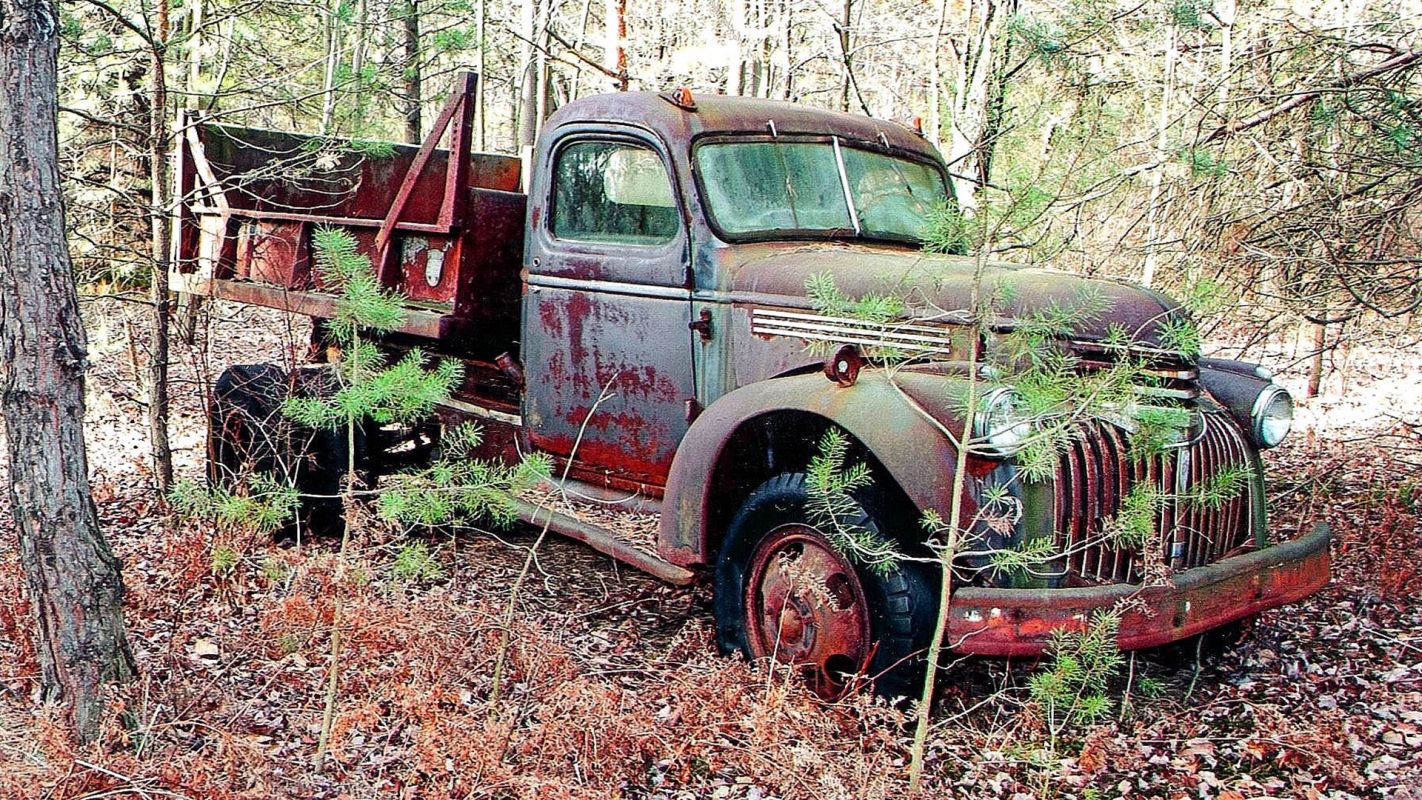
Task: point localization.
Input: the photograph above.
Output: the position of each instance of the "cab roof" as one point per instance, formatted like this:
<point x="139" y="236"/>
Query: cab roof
<point x="723" y="114"/>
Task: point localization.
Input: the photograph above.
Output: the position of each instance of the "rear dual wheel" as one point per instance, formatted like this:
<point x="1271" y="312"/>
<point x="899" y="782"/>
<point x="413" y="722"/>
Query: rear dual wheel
<point x="785" y="592"/>
<point x="249" y="433"/>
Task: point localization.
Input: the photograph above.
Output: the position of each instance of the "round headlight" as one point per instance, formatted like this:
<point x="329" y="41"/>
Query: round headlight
<point x="1273" y="415"/>
<point x="999" y="424"/>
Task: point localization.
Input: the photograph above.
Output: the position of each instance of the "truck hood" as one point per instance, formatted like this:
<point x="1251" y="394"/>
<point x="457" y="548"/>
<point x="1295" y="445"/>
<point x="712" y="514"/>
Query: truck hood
<point x="940" y="286"/>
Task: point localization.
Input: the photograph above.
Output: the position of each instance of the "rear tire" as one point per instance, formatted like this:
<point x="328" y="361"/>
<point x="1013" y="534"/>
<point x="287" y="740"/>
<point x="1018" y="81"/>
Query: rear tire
<point x="847" y="620"/>
<point x="248" y="433"/>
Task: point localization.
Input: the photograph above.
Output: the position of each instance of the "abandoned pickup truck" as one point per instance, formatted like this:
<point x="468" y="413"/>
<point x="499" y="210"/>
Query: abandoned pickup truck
<point x="658" y="253"/>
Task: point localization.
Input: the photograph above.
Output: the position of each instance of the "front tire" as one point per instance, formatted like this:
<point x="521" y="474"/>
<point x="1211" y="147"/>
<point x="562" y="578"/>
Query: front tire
<point x="784" y="591"/>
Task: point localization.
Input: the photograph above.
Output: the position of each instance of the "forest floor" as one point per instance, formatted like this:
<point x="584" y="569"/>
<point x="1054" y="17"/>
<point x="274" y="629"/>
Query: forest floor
<point x="614" y="689"/>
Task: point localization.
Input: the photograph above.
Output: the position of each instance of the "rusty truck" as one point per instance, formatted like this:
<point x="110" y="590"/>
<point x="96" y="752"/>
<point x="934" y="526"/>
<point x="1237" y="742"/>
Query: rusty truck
<point x="657" y="252"/>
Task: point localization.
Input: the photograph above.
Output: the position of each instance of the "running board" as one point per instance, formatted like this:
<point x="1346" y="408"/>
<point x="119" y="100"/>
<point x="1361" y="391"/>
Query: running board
<point x="603" y="541"/>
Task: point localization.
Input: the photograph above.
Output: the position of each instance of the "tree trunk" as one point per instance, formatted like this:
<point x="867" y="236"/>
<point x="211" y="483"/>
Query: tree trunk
<point x="614" y="59"/>
<point x="1158" y="174"/>
<point x="935" y="85"/>
<point x="158" y="155"/>
<point x="71" y="575"/>
<point x="735" y="71"/>
<point x="333" y="58"/>
<point x="848" y="63"/>
<point x="978" y="94"/>
<point x="1315" y="361"/>
<point x="481" y="124"/>
<point x="527" y="114"/>
<point x="413" y="78"/>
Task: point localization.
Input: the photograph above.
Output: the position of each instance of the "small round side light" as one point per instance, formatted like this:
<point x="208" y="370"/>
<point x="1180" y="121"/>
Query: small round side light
<point x="843" y="367"/>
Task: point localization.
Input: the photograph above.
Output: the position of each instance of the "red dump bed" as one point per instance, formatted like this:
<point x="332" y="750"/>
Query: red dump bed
<point x="446" y="231"/>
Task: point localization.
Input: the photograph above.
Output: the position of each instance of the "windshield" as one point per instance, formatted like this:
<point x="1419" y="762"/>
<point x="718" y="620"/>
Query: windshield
<point x="824" y="187"/>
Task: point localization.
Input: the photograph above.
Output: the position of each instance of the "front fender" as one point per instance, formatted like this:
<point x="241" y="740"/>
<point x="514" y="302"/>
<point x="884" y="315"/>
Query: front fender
<point x="901" y="421"/>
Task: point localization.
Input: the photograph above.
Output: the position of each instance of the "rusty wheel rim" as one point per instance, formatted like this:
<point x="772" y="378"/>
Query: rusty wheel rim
<point x="805" y="607"/>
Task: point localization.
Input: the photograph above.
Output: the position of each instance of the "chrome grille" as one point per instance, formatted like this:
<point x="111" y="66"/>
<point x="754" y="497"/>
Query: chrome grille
<point x="1097" y="471"/>
<point x="1174" y="379"/>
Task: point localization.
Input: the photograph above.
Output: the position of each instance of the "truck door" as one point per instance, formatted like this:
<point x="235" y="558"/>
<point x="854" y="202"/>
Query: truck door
<point x="606" y="307"/>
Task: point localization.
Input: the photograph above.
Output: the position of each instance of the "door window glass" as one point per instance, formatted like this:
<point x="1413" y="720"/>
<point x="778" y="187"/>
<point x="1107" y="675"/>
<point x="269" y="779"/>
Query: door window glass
<point x="612" y="192"/>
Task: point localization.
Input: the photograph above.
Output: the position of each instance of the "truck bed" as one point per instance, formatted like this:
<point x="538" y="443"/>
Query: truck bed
<point x="443" y="227"/>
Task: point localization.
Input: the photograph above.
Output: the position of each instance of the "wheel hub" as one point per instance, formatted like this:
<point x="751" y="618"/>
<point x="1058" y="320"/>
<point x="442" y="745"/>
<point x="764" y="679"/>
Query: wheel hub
<point x="805" y="607"/>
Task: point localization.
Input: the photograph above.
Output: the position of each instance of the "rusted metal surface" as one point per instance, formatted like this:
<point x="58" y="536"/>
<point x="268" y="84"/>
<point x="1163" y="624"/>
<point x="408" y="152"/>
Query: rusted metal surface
<point x="311" y="304"/>
<point x="635" y="348"/>
<point x="806" y="607"/>
<point x="907" y="440"/>
<point x="1020" y="622"/>
<point x="609" y="317"/>
<point x="936" y="286"/>
<point x="456" y="117"/>
<point x="719" y="114"/>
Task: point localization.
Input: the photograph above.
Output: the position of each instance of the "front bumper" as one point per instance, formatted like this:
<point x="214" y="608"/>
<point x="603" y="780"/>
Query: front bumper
<point x="1019" y="622"/>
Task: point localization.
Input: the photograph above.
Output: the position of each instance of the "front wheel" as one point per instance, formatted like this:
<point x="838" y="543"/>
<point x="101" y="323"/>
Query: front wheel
<point x="785" y="592"/>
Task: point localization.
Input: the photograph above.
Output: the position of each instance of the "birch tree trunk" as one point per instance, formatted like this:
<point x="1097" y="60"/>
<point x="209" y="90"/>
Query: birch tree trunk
<point x="977" y="96"/>
<point x="481" y="124"/>
<point x="71" y="575"/>
<point x="1158" y="174"/>
<point x="935" y="76"/>
<point x="735" y="72"/>
<point x="614" y="20"/>
<point x="333" y="58"/>
<point x="528" y="126"/>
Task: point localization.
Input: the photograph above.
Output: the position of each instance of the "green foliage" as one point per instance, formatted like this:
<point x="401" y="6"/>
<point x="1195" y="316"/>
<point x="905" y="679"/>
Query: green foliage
<point x="1204" y="163"/>
<point x="1025" y="559"/>
<point x="835" y="512"/>
<point x="266" y="505"/>
<point x="830" y="300"/>
<point x="873" y="310"/>
<point x="224" y="560"/>
<point x="369" y="389"/>
<point x="459" y="487"/>
<point x="1073" y="691"/>
<point x="274" y="571"/>
<point x="1134" y="523"/>
<point x="1158" y="428"/>
<point x="404" y="392"/>
<point x="1191" y="14"/>
<point x="1045" y="39"/>
<point x="1220" y="488"/>
<point x="414" y="562"/>
<point x="951" y="232"/>
<point x="1035" y="334"/>
<point x="1206" y="297"/>
<point x="1150" y="687"/>
<point x="363" y="303"/>
<point x="1180" y="335"/>
<point x="372" y="148"/>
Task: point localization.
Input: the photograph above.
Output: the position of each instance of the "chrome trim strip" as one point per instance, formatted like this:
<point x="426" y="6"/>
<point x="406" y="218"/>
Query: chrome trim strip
<point x="610" y="287"/>
<point x="887" y="331"/>
<point x="831" y="329"/>
<point x="825" y="318"/>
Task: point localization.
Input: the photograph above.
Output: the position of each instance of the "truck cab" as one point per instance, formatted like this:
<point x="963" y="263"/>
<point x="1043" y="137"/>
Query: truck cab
<point x="644" y="313"/>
